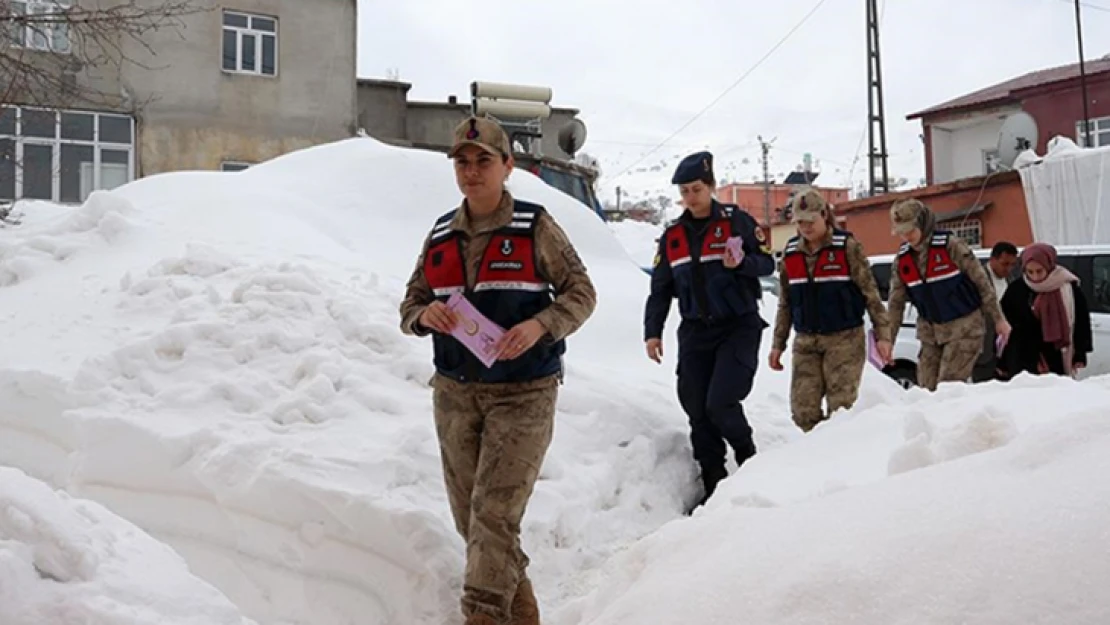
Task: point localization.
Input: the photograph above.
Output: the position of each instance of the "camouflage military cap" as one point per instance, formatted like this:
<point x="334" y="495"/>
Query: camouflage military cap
<point x="482" y="132"/>
<point x="905" y="215"/>
<point x="808" y="205"/>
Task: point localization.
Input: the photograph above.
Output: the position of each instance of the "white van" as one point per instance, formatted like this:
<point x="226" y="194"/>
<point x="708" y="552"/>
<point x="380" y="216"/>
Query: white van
<point x="1090" y="262"/>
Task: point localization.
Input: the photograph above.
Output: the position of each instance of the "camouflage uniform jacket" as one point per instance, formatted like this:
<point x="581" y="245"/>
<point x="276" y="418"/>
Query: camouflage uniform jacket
<point x="969" y="326"/>
<point x="860" y="269"/>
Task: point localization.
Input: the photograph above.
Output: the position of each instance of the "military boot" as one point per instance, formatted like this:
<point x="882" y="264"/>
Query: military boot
<point x="709" y="479"/>
<point x="525" y="610"/>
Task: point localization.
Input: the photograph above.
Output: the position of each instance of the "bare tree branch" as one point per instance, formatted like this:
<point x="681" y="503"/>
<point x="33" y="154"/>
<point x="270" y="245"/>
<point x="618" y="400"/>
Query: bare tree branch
<point x="48" y="48"/>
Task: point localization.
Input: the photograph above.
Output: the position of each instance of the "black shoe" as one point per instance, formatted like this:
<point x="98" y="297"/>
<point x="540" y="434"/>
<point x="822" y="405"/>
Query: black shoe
<point x="709" y="480"/>
<point x="745" y="452"/>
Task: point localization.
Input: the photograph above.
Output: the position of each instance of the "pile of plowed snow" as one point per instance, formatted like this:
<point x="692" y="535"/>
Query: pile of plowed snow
<point x="216" y="359"/>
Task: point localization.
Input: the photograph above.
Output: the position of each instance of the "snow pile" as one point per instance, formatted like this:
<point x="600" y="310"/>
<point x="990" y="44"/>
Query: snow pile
<point x="1006" y="521"/>
<point x="64" y="560"/>
<point x="217" y="359"/>
<point x="639" y="239"/>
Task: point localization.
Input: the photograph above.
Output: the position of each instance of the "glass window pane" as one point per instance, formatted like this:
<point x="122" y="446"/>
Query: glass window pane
<point x="18" y="31"/>
<point x="113" y="168"/>
<point x="231" y="54"/>
<point x="1100" y="285"/>
<point x="38" y="172"/>
<point x="269" y="55"/>
<point x="78" y="126"/>
<point x="233" y="19"/>
<point x="249" y="43"/>
<point x="7" y="120"/>
<point x="61" y="37"/>
<point x="77" y="172"/>
<point x="263" y="23"/>
<point x="7" y="169"/>
<point x="38" y="123"/>
<point x="115" y="129"/>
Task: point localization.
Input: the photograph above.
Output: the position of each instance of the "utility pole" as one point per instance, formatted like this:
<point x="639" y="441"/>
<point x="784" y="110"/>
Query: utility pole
<point x="876" y="125"/>
<point x="765" y="147"/>
<point x="1082" y="79"/>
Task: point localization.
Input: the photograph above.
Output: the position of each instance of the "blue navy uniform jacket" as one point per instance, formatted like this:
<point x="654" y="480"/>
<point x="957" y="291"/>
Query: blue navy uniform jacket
<point x="689" y="266"/>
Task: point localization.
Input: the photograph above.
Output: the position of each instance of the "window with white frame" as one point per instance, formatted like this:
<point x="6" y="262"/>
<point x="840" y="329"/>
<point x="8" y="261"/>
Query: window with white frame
<point x="249" y="44"/>
<point x="1100" y="133"/>
<point x="234" y="166"/>
<point x="36" y="24"/>
<point x="971" y="231"/>
<point x="63" y="156"/>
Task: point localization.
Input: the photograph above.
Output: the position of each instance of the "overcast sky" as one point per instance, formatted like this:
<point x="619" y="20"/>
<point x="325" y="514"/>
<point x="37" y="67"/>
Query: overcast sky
<point x="640" y="69"/>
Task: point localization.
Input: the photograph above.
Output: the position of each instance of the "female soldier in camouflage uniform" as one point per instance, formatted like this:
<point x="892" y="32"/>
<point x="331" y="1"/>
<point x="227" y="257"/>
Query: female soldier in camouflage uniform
<point x="826" y="286"/>
<point x="938" y="273"/>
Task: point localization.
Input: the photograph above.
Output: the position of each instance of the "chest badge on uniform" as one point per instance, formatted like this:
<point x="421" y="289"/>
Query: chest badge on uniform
<point x="937" y="258"/>
<point x="718" y="233"/>
<point x="832" y="257"/>
<point x="507" y="247"/>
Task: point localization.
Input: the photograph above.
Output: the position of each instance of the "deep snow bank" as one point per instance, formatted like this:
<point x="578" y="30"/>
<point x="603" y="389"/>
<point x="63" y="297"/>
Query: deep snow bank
<point x="65" y="560"/>
<point x="639" y="239"/>
<point x="985" y="505"/>
<point x="216" y="358"/>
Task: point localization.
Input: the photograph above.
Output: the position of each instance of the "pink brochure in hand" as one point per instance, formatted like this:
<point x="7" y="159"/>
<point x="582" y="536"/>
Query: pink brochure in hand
<point x="999" y="344"/>
<point x="735" y="247"/>
<point x="873" y="351"/>
<point x="475" y="331"/>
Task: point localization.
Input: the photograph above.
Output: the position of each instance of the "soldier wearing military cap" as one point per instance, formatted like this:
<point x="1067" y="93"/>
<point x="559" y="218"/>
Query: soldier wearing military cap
<point x="826" y="286"/>
<point x="718" y="298"/>
<point x="515" y="264"/>
<point x="939" y="274"/>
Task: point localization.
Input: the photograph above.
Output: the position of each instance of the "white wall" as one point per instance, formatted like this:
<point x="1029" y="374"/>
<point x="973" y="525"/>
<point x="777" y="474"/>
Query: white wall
<point x="958" y="146"/>
<point x="942" y="154"/>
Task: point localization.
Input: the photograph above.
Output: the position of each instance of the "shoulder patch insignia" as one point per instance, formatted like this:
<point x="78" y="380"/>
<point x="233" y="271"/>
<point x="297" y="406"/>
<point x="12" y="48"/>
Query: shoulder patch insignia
<point x="759" y="236"/>
<point x="658" y="258"/>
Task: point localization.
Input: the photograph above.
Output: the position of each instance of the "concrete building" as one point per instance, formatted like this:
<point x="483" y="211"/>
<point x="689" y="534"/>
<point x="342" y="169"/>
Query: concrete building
<point x="750" y="197"/>
<point x="961" y="135"/>
<point x="982" y="211"/>
<point x="386" y="113"/>
<point x="239" y="84"/>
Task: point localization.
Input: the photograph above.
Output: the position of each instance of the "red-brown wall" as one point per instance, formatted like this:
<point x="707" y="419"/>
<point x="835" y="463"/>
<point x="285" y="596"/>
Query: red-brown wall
<point x="1006" y="219"/>
<point x="1057" y="111"/>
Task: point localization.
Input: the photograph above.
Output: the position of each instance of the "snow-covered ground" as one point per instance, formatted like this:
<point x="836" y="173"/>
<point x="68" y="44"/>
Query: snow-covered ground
<point x="215" y="358"/>
<point x="67" y="561"/>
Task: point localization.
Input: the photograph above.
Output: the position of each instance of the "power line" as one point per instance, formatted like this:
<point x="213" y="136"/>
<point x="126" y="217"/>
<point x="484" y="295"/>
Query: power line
<point x="1089" y="5"/>
<point x="726" y="91"/>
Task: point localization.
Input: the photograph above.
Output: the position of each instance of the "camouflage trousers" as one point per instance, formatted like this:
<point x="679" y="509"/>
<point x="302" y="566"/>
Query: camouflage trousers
<point x="951" y="362"/>
<point x="492" y="441"/>
<point x="826" y="367"/>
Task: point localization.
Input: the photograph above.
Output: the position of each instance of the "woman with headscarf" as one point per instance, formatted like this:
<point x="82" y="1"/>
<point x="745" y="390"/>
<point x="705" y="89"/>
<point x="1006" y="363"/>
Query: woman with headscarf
<point x="939" y="274"/>
<point x="1052" y="324"/>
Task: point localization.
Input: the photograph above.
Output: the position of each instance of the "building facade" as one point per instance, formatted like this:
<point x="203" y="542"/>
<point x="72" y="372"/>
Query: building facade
<point x="983" y="211"/>
<point x="961" y="135"/>
<point x="750" y="197"/>
<point x="235" y="85"/>
<point x="386" y="113"/>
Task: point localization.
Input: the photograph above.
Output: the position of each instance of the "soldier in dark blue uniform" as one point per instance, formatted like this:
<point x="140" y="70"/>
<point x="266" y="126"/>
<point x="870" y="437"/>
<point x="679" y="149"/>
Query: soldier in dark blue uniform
<point x="720" y="332"/>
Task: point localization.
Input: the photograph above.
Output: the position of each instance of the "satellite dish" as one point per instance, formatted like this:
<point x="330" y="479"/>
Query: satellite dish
<point x="572" y="136"/>
<point x="1018" y="134"/>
